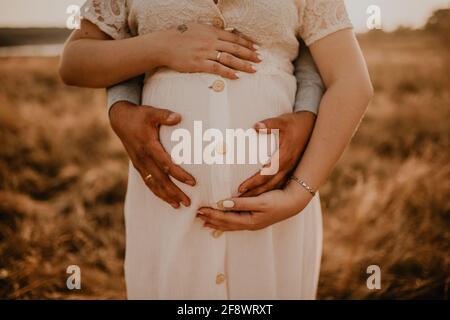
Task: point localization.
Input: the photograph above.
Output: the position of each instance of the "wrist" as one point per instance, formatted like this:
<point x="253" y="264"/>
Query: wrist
<point x="154" y="49"/>
<point x="299" y="195"/>
<point x="117" y="109"/>
<point x="305" y="118"/>
<point x="158" y="48"/>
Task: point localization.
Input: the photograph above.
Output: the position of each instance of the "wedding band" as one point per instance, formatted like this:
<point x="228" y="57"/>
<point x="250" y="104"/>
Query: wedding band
<point x="218" y="55"/>
<point x="148" y="177"/>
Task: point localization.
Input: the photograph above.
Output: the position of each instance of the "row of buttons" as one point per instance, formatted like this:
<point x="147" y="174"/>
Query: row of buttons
<point x="219" y="86"/>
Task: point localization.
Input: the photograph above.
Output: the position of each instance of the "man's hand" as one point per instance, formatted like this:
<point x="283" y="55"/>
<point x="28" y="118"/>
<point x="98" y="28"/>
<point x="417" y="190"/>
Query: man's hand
<point x="294" y="133"/>
<point x="138" y="129"/>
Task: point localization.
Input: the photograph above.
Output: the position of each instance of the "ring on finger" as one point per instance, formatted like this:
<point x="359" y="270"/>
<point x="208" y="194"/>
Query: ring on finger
<point x="148" y="177"/>
<point x="219" y="54"/>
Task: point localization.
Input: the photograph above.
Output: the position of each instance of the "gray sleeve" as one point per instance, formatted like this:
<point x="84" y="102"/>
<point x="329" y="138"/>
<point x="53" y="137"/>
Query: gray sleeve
<point x="130" y="90"/>
<point x="310" y="87"/>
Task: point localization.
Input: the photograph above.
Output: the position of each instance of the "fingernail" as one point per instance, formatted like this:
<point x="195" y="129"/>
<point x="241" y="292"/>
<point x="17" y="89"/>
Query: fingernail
<point x="172" y="117"/>
<point x="200" y="213"/>
<point x="242" y="189"/>
<point x="260" y="125"/>
<point x="175" y="205"/>
<point x="190" y="182"/>
<point x="228" y="204"/>
<point x="230" y="29"/>
<point x="253" y="68"/>
<point x="237" y="75"/>
<point x="259" y="57"/>
<point x="256" y="47"/>
<point x="186" y="204"/>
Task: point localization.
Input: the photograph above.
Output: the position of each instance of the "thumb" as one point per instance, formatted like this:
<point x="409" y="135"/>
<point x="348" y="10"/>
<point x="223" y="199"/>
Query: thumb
<point x="266" y="126"/>
<point x="165" y="117"/>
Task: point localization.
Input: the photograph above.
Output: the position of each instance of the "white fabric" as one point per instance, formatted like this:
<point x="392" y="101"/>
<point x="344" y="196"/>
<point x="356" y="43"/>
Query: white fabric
<point x="168" y="253"/>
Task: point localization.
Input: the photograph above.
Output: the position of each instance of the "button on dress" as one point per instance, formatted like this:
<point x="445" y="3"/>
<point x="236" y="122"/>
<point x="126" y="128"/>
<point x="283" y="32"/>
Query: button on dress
<point x="169" y="254"/>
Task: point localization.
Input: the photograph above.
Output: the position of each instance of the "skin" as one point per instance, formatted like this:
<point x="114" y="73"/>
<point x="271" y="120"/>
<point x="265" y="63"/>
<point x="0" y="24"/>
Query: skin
<point x="348" y="93"/>
<point x="88" y="61"/>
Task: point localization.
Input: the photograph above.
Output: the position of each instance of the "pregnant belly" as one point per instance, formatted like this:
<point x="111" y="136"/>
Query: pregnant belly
<point x="210" y="106"/>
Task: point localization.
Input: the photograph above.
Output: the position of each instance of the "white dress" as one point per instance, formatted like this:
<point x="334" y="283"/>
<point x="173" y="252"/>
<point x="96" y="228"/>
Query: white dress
<point x="169" y="255"/>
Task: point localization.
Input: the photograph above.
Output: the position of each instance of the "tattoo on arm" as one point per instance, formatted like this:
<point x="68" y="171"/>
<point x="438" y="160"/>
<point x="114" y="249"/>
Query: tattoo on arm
<point x="182" y="28"/>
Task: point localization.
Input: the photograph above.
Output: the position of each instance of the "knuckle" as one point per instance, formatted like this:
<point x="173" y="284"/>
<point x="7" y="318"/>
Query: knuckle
<point x="215" y="68"/>
<point x="264" y="204"/>
<point x="226" y="58"/>
<point x="136" y="165"/>
<point x="166" y="168"/>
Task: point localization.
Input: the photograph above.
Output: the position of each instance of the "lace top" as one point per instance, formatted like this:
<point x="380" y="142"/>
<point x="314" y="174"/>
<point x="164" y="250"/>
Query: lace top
<point x="274" y="25"/>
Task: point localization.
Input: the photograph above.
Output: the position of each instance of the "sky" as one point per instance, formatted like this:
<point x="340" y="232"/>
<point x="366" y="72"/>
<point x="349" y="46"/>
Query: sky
<point x="49" y="13"/>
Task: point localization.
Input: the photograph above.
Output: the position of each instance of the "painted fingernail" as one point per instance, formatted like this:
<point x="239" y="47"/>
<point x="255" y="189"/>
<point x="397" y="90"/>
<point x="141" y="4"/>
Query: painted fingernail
<point x="260" y="125"/>
<point x="228" y="204"/>
<point x="190" y="182"/>
<point x="186" y="204"/>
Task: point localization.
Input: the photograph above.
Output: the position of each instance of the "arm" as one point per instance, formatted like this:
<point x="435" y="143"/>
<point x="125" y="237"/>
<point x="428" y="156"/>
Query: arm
<point x="295" y="128"/>
<point x="91" y="59"/>
<point x="348" y="93"/>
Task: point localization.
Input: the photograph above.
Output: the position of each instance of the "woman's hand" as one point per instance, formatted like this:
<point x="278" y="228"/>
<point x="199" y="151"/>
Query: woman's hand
<point x="195" y="47"/>
<point x="138" y="129"/>
<point x="255" y="213"/>
<point x="90" y="59"/>
<point x="294" y="132"/>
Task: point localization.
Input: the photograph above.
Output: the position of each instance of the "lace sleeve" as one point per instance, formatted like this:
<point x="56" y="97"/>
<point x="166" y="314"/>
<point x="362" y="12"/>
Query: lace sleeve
<point x="319" y="18"/>
<point x="111" y="16"/>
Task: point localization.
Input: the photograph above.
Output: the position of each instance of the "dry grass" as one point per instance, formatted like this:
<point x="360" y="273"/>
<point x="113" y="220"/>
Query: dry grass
<point x="63" y="178"/>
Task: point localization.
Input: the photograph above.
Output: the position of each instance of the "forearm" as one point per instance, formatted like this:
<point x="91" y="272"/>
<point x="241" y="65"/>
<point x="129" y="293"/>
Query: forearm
<point x="341" y="111"/>
<point x="103" y="63"/>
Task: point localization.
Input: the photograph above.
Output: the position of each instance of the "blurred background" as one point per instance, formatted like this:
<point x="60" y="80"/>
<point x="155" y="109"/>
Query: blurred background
<point x="63" y="172"/>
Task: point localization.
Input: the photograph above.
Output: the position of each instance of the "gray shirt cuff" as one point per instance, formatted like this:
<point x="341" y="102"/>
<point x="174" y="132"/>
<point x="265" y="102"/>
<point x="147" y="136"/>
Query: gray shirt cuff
<point x="310" y="87"/>
<point x="130" y="90"/>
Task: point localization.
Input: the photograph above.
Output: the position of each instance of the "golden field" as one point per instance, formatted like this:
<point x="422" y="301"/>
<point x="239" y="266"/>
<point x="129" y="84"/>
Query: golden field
<point x="63" y="179"/>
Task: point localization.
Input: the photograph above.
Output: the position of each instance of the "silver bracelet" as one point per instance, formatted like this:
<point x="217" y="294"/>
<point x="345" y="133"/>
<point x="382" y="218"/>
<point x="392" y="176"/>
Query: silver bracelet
<point x="304" y="185"/>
